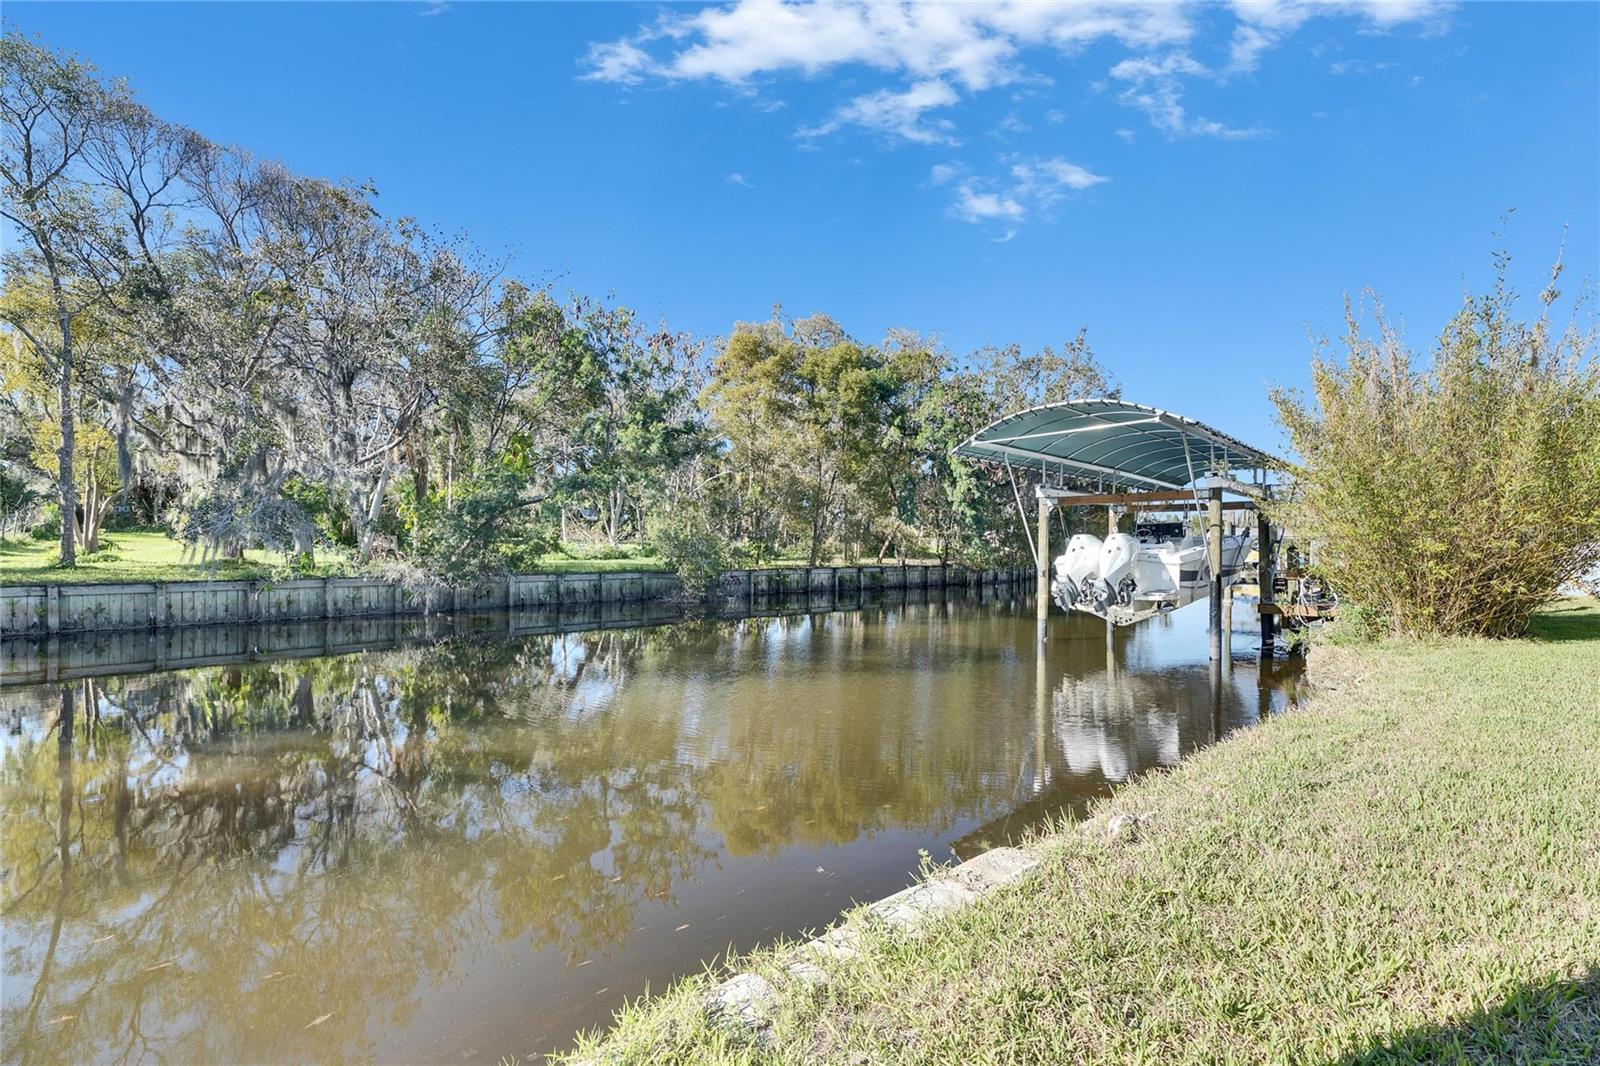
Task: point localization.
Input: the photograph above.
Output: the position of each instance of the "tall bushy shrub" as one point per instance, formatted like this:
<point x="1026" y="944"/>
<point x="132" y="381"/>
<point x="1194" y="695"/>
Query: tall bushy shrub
<point x="1453" y="497"/>
<point x="692" y="547"/>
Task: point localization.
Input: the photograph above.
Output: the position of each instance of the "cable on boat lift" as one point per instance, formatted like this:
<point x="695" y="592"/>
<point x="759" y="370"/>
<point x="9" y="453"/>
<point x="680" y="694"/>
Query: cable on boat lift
<point x="1022" y="514"/>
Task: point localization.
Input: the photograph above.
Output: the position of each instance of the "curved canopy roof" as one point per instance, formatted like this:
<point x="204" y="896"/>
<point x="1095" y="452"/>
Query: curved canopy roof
<point x="1115" y="441"/>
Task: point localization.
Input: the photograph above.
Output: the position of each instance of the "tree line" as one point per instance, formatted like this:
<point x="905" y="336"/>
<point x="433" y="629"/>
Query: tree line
<point x="203" y="340"/>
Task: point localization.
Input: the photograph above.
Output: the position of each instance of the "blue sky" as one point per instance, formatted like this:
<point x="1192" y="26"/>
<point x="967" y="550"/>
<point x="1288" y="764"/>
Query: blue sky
<point x="1197" y="185"/>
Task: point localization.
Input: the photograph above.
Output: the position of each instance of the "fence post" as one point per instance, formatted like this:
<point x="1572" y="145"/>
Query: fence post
<point x="52" y="608"/>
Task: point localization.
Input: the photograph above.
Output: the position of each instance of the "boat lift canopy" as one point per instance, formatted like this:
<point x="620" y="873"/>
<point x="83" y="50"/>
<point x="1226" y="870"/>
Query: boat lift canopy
<point x="1115" y="442"/>
<point x="1154" y="456"/>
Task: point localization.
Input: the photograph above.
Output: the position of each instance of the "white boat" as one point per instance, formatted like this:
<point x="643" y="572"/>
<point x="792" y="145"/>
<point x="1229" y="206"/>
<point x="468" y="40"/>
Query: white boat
<point x="1126" y="578"/>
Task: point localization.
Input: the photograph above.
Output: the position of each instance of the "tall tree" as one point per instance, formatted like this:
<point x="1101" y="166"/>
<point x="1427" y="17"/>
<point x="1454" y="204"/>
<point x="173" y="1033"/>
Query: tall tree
<point x="50" y="104"/>
<point x="92" y="186"/>
<point x="800" y="409"/>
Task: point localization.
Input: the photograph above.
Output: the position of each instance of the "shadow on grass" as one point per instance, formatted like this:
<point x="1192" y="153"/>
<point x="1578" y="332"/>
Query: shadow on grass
<point x="1572" y="619"/>
<point x="1556" y="1023"/>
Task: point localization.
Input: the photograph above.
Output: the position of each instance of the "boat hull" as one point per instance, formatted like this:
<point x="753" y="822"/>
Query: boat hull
<point x="1124" y="582"/>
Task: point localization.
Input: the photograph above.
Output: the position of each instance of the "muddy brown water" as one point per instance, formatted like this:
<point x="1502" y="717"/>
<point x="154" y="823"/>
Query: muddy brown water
<point x="471" y="849"/>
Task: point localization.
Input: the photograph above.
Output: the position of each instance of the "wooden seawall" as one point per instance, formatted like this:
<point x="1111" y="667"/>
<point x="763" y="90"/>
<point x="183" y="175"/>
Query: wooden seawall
<point x="56" y="610"/>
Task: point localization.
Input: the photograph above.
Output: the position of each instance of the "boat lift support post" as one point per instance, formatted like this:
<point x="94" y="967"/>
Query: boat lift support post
<point x="1041" y="550"/>
<point x="1220" y="624"/>
<point x="1214" y="557"/>
<point x="1266" y="580"/>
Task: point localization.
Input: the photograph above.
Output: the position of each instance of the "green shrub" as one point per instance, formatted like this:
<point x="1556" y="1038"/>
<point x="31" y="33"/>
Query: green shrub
<point x="1354" y="625"/>
<point x="49" y="525"/>
<point x="692" y="547"/>
<point x="488" y="528"/>
<point x="1456" y="498"/>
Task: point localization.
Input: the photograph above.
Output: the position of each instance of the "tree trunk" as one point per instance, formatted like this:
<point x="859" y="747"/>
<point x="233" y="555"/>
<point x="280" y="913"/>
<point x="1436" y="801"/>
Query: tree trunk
<point x="66" y="490"/>
<point x="374" y="511"/>
<point x="89" y="531"/>
<point x="417" y="459"/>
<point x="450" y="471"/>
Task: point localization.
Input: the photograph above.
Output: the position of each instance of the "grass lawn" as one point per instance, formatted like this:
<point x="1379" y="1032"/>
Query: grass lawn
<point x="137" y="557"/>
<point x="158" y="557"/>
<point x="1404" y="869"/>
<point x="133" y="557"/>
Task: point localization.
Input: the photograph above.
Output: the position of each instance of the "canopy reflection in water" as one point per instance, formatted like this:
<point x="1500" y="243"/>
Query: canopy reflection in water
<point x="467" y="849"/>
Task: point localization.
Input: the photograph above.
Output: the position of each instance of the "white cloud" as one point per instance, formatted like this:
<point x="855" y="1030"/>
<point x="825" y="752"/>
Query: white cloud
<point x="1029" y="187"/>
<point x="1341" y="67"/>
<point x="1013" y="123"/>
<point x="935" y="55"/>
<point x="739" y="179"/>
<point x="898" y="114"/>
<point x="431" y="8"/>
<point x="1210" y="127"/>
<point x="619" y="61"/>
<point x="974" y="45"/>
<point x="942" y="51"/>
<point x="975" y="206"/>
<point x="1264" y="24"/>
<point x="1154" y="85"/>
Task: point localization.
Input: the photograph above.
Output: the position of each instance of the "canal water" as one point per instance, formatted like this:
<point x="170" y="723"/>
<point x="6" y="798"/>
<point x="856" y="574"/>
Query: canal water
<point x="472" y="846"/>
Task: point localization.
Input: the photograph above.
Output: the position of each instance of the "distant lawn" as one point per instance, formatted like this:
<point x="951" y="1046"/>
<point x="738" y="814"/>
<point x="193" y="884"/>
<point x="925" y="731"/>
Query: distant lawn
<point x="1406" y="869"/>
<point x="566" y="564"/>
<point x="136" y="557"/>
<point x="133" y="557"/>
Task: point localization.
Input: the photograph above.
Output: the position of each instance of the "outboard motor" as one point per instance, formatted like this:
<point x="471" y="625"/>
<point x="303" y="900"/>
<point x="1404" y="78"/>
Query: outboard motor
<point x="1077" y="569"/>
<point x="1117" y="555"/>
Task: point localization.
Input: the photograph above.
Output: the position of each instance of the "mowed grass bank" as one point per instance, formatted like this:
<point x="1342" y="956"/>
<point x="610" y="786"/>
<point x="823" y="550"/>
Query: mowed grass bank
<point x="1405" y="869"/>
<point x="135" y="557"/>
<point x="153" y="556"/>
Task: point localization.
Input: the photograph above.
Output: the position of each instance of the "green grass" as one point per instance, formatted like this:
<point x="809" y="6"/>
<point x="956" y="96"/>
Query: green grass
<point x="158" y="557"/>
<point x="557" y="564"/>
<point x="139" y="556"/>
<point x="1404" y="869"/>
<point x="145" y="556"/>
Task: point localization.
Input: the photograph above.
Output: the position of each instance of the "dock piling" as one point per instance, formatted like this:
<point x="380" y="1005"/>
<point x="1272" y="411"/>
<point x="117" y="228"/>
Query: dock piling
<point x="1214" y="557"/>
<point x="1266" y="578"/>
<point x="1042" y="548"/>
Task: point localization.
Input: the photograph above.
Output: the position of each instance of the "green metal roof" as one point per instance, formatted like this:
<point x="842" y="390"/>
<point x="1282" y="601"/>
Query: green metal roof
<point x="1114" y="441"/>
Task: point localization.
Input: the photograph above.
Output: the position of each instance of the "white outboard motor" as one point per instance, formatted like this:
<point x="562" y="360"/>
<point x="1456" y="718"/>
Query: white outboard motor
<point x="1077" y="569"/>
<point x="1117" y="555"/>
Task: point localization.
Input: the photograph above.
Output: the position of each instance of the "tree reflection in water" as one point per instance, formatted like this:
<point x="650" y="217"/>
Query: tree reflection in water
<point x="284" y="860"/>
